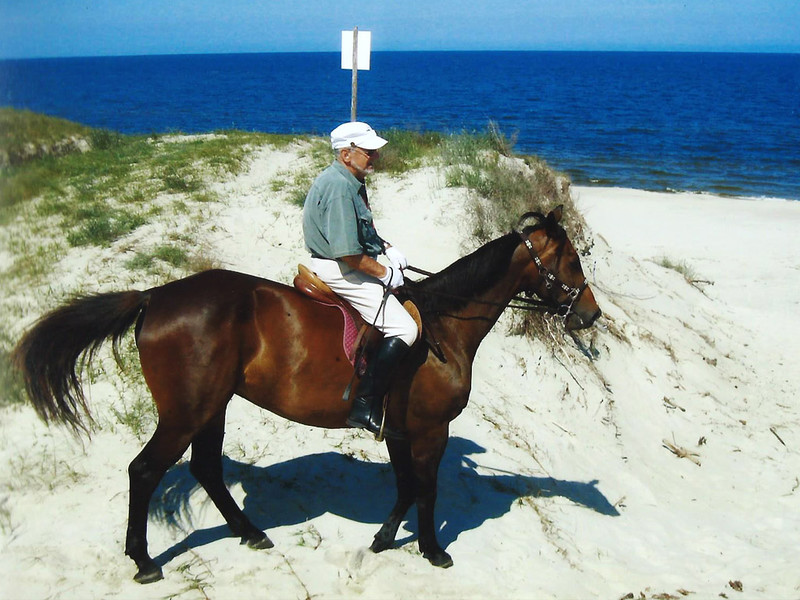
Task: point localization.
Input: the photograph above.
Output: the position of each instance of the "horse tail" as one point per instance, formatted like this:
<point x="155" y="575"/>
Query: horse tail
<point x="52" y="353"/>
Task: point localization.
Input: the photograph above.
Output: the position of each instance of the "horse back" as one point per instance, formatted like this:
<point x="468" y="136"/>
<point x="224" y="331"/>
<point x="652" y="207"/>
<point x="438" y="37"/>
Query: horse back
<point x="219" y="332"/>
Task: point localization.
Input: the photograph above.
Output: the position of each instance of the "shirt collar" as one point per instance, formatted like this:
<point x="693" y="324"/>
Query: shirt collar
<point x="352" y="180"/>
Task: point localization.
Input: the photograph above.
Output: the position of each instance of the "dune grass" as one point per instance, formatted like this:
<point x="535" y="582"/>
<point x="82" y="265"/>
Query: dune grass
<point x="131" y="169"/>
<point x="295" y="184"/>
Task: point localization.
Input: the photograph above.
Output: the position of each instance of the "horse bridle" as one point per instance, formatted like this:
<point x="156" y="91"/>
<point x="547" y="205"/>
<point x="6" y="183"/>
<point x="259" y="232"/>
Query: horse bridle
<point x="551" y="281"/>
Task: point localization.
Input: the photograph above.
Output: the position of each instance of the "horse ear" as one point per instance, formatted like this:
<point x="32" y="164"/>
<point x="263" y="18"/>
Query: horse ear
<point x="536" y="216"/>
<point x="556" y="214"/>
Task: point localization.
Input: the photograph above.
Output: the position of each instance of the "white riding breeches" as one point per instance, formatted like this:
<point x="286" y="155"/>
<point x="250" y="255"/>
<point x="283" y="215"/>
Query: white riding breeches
<point x="365" y="294"/>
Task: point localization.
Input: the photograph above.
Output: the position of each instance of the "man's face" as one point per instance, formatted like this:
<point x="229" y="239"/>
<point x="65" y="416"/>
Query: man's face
<point x="360" y="161"/>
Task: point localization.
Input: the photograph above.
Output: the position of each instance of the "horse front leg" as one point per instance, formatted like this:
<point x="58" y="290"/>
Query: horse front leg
<point x="426" y="454"/>
<point x="400" y="455"/>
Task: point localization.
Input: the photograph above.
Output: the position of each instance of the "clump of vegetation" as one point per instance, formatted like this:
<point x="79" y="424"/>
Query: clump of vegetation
<point x="174" y="255"/>
<point x="681" y="267"/>
<point x="686" y="270"/>
<point x="100" y="224"/>
<point x="25" y="135"/>
<point x="407" y="150"/>
<point x="505" y="186"/>
<point x="10" y="382"/>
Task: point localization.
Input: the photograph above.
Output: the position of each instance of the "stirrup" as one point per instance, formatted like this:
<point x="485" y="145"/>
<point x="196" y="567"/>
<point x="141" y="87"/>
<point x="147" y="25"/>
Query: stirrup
<point x="369" y="424"/>
<point x="383" y="432"/>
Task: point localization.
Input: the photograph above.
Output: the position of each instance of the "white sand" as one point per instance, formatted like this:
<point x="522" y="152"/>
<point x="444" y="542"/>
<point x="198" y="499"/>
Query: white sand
<point x="557" y="482"/>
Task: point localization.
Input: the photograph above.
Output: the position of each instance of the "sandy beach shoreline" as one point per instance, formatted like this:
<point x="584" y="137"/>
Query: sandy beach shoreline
<point x="747" y="248"/>
<point x="668" y="467"/>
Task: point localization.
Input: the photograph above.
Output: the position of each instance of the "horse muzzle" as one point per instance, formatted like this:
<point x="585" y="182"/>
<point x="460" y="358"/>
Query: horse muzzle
<point x="576" y="320"/>
<point x="583" y="311"/>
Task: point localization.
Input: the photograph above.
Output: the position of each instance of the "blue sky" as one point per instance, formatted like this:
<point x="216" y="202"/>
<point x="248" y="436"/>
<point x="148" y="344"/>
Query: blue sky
<point x="43" y="28"/>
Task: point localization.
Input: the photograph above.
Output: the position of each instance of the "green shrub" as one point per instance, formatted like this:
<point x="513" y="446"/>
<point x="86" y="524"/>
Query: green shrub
<point x="177" y="179"/>
<point x="170" y="254"/>
<point x="103" y="139"/>
<point x="682" y="267"/>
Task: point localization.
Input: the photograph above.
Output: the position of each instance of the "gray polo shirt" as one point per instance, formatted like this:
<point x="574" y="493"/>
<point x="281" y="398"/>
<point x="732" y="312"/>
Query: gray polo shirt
<point x="336" y="220"/>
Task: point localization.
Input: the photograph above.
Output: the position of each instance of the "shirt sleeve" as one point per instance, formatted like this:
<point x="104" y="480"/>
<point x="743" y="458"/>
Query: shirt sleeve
<point x="342" y="226"/>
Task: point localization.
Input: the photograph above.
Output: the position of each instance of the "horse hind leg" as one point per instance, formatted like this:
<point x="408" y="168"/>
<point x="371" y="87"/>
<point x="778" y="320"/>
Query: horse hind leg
<point x="206" y="466"/>
<point x="145" y="472"/>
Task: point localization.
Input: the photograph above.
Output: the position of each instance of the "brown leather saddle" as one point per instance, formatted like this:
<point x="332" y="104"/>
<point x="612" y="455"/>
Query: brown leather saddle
<point x="358" y="335"/>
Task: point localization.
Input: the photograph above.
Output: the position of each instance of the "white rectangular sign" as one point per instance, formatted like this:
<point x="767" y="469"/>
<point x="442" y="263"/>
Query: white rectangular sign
<point x="364" y="43"/>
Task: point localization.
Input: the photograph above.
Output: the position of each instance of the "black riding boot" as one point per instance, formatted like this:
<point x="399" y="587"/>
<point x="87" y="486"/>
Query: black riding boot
<point x="367" y="411"/>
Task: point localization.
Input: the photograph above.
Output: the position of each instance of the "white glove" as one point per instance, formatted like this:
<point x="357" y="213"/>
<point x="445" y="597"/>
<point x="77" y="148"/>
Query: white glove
<point x="397" y="258"/>
<point x="393" y="278"/>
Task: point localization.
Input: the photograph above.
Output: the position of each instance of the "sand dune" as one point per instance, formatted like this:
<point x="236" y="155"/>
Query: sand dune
<point x="667" y="467"/>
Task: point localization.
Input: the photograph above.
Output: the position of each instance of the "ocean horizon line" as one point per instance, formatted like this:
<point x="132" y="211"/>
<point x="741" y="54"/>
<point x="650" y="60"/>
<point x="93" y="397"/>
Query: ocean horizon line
<point x="650" y="52"/>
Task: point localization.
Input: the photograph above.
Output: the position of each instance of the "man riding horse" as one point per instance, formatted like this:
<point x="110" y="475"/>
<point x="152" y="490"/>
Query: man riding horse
<point x="340" y="235"/>
<point x="215" y="334"/>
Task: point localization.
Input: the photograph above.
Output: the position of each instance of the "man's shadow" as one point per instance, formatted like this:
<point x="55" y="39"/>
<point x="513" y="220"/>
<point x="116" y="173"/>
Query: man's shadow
<point x="291" y="492"/>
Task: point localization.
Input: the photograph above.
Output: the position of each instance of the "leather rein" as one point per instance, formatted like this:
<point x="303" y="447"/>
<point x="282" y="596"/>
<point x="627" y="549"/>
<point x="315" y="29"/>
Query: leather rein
<point x="550" y="281"/>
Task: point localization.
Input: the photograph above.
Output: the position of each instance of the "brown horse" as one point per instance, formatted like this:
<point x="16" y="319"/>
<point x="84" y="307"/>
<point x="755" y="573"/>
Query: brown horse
<point x="204" y="338"/>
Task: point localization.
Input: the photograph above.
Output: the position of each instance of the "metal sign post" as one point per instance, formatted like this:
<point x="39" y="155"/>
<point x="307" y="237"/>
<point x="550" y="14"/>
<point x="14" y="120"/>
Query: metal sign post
<point x="355" y="55"/>
<point x="354" y="89"/>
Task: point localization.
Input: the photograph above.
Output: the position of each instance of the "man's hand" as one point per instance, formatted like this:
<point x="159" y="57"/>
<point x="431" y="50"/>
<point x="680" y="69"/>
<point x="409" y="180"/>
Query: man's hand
<point x="389" y="276"/>
<point x="397" y="258"/>
<point x="393" y="278"/>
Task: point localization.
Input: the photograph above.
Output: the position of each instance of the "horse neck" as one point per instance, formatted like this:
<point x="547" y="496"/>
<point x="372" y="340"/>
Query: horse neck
<point x="485" y="309"/>
<point x="468" y="325"/>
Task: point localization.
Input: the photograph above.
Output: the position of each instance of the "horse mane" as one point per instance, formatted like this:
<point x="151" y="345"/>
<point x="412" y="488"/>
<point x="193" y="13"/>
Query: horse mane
<point x="453" y="287"/>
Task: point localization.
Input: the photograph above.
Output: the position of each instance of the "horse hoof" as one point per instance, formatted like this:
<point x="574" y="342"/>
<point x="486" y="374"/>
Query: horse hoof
<point x="380" y="545"/>
<point x="439" y="558"/>
<point x="150" y="574"/>
<point x="258" y="542"/>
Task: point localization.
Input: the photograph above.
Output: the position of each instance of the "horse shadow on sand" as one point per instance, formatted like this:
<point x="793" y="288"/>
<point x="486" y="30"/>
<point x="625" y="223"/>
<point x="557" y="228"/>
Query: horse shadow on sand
<point x="293" y="491"/>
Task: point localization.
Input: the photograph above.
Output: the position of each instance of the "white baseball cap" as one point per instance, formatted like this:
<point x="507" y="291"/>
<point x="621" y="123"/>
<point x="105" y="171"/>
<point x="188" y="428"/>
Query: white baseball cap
<point x="357" y="134"/>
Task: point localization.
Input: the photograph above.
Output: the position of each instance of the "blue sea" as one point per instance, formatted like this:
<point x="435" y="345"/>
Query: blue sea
<point x="722" y="123"/>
